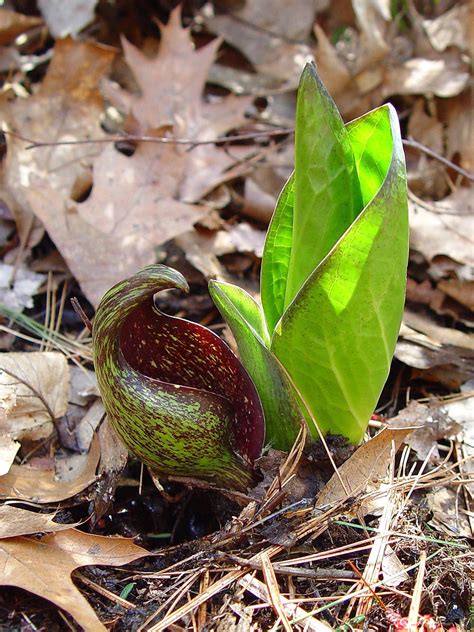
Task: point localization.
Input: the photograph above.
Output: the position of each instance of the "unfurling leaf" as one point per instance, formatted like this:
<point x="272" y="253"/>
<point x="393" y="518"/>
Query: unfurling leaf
<point x="333" y="273"/>
<point x="176" y="394"/>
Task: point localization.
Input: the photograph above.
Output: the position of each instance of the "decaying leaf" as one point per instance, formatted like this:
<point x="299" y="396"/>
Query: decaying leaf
<point x="448" y="514"/>
<point x="44" y="567"/>
<point x="141" y="201"/>
<point x="434" y="424"/>
<point x="13" y="24"/>
<point x="15" y="521"/>
<point x="8" y="451"/>
<point x="33" y="393"/>
<point x="445" y="227"/>
<point x="42" y="486"/>
<point x="268" y="33"/>
<point x="452" y="28"/>
<point x="67" y="18"/>
<point x="18" y="285"/>
<point x="66" y="107"/>
<point x="368" y="465"/>
<point x="130" y="212"/>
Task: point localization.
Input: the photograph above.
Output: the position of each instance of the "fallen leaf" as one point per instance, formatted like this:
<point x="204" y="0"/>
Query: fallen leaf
<point x="113" y="458"/>
<point x="67" y="18"/>
<point x="29" y="564"/>
<point x="140" y="201"/>
<point x="241" y="237"/>
<point x="442" y="335"/>
<point x="433" y="362"/>
<point x="42" y="486"/>
<point x="461" y="291"/>
<point x="452" y="28"/>
<point x="425" y="129"/>
<point x="33" y="393"/>
<point x="19" y="294"/>
<point x="456" y="114"/>
<point x="130" y="217"/>
<point x="171" y="88"/>
<point x="66" y="107"/>
<point x="82" y="386"/>
<point x="15" y="521"/>
<point x="393" y="571"/>
<point x="448" y="516"/>
<point x="441" y="77"/>
<point x="13" y="24"/>
<point x="267" y="33"/>
<point x="434" y="424"/>
<point x="8" y="451"/>
<point x="446" y="227"/>
<point x="368" y="465"/>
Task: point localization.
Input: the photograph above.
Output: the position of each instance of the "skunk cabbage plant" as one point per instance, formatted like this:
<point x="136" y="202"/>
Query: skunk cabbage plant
<point x="318" y="347"/>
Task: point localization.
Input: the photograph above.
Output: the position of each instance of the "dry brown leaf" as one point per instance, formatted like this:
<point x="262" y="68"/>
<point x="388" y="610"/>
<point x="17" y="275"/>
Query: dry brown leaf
<point x="171" y="88"/>
<point x="367" y="466"/>
<point x="18" y="294"/>
<point x="44" y="567"/>
<point x="443" y="77"/>
<point x="139" y="202"/>
<point x="445" y="227"/>
<point x="113" y="458"/>
<point x="67" y="18"/>
<point x="435" y="424"/>
<point x="267" y="33"/>
<point x="448" y="514"/>
<point x="66" y="107"/>
<point x="15" y="521"/>
<point x="8" y="451"/>
<point x="424" y="128"/>
<point x="442" y="335"/>
<point x="458" y="117"/>
<point x="42" y="486"/>
<point x="13" y="24"/>
<point x="461" y="291"/>
<point x="453" y="28"/>
<point x="129" y="217"/>
<point x="33" y="393"/>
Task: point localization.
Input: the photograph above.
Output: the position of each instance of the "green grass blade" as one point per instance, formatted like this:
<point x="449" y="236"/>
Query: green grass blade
<point x="245" y="319"/>
<point x="327" y="197"/>
<point x="337" y="338"/>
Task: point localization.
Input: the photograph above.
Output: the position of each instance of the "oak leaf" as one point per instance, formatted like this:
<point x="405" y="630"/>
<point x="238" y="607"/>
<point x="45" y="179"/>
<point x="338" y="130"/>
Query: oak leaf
<point x="44" y="567"/>
<point x="15" y="521"/>
<point x="66" y="107"/>
<point x="138" y="202"/>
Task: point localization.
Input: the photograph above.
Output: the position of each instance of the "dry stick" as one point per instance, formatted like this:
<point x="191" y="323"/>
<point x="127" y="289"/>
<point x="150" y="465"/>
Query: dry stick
<point x="408" y="142"/>
<point x="414" y="144"/>
<point x="81" y="313"/>
<point x="417" y="591"/>
<point x="374" y="562"/>
<point x="213" y="589"/>
<point x="166" y="140"/>
<point x="104" y="592"/>
<point x="259" y="590"/>
<point x="273" y="591"/>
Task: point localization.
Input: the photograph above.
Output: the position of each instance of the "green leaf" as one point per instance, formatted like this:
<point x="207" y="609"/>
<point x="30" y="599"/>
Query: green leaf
<point x="338" y="336"/>
<point x="276" y="257"/>
<point x="245" y="319"/>
<point x="327" y="196"/>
